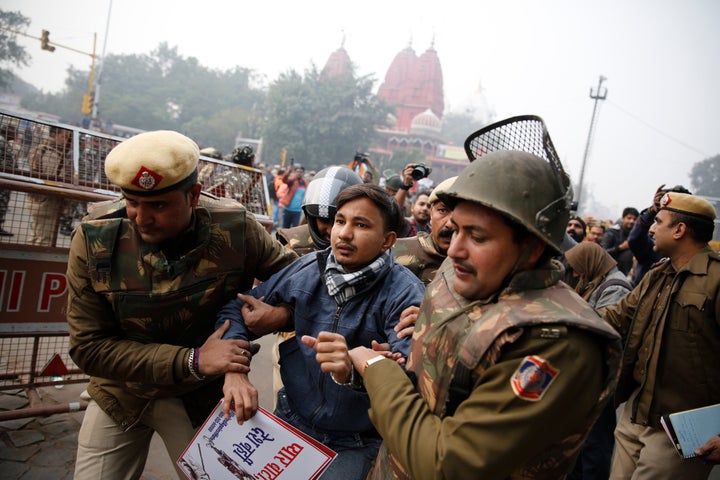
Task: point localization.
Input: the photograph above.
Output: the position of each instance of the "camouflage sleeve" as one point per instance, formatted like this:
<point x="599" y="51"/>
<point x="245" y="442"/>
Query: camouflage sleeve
<point x="494" y="431"/>
<point x="97" y="343"/>
<point x="266" y="253"/>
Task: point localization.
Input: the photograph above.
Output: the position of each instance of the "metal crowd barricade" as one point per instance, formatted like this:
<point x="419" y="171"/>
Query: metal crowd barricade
<point x="48" y="174"/>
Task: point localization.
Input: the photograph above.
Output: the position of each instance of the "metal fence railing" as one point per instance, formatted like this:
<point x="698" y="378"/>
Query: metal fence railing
<point x="65" y="156"/>
<point x="36" y="360"/>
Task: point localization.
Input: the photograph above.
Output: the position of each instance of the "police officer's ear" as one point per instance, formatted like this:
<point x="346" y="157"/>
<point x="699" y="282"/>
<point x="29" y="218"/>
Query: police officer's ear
<point x="679" y="230"/>
<point x="532" y="249"/>
<point x="194" y="194"/>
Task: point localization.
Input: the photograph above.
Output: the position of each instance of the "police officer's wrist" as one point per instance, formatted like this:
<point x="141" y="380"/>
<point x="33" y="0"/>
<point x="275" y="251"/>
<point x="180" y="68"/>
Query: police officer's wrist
<point x="373" y="361"/>
<point x="193" y="364"/>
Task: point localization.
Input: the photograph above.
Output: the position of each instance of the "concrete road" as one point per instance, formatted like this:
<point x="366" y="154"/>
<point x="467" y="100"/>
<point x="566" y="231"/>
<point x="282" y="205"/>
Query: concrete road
<point x="44" y="447"/>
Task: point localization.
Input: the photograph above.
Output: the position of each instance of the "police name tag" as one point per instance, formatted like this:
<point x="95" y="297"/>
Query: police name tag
<point x="263" y="448"/>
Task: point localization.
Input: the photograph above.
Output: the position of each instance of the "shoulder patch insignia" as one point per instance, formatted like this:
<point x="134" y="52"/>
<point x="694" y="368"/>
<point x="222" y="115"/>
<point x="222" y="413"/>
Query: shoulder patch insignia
<point x="532" y="378"/>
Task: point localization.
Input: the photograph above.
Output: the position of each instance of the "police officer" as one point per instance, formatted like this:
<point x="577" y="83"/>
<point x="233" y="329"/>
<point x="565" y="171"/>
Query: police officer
<point x="670" y="362"/>
<point x="393" y="184"/>
<point x="424" y="252"/>
<point x="7" y="164"/>
<point x="512" y="366"/>
<point x="146" y="276"/>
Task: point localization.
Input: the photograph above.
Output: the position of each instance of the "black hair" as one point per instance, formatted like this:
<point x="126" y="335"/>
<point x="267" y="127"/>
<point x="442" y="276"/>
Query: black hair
<point x="424" y="191"/>
<point x="699" y="229"/>
<point x="389" y="209"/>
<point x="630" y="211"/>
<point x="678" y="189"/>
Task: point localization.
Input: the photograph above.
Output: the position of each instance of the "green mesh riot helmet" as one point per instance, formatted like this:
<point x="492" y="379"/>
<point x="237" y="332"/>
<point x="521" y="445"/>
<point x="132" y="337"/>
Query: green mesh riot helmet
<point x="516" y="172"/>
<point x="319" y="198"/>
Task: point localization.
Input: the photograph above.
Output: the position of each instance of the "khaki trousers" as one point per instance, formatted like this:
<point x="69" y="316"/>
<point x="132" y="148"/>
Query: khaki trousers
<point x="45" y="213"/>
<point x="106" y="452"/>
<point x="647" y="453"/>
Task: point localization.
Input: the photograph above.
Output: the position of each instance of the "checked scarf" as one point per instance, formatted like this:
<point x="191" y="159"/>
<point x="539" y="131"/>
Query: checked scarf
<point x="342" y="285"/>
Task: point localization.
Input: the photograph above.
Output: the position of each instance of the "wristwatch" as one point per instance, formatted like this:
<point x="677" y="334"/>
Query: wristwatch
<point x="373" y="361"/>
<point x="406" y="187"/>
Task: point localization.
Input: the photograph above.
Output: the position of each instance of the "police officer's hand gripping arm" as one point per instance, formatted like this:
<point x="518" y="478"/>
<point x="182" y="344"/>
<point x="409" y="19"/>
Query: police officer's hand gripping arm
<point x="240" y="394"/>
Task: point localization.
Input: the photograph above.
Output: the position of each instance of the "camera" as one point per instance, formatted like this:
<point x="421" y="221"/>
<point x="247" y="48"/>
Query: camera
<point x="361" y="157"/>
<point x="421" y="171"/>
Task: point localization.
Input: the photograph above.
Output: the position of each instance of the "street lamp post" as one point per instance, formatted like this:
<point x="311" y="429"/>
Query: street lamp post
<point x="597" y="96"/>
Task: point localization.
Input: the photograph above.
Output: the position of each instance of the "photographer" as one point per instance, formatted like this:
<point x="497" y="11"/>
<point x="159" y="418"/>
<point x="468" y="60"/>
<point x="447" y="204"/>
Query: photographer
<point x="410" y="174"/>
<point x="362" y="165"/>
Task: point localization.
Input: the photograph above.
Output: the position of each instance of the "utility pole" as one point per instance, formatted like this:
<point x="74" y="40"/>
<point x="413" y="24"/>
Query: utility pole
<point x="600" y="94"/>
<point x="96" y="88"/>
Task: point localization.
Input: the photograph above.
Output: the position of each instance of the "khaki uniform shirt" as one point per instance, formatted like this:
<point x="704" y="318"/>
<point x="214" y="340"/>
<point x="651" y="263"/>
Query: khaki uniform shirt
<point x="671" y="322"/>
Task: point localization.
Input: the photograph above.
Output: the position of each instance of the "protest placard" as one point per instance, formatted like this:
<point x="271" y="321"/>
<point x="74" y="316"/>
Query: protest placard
<point x="262" y="448"/>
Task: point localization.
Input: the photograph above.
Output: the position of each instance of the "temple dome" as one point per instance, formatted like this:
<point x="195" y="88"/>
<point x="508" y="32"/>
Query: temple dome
<point x="425" y="123"/>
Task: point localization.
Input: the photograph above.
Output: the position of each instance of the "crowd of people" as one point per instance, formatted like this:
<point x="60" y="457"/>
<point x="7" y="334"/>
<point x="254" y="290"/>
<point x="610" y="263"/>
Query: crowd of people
<point x="489" y="332"/>
<point x="45" y="152"/>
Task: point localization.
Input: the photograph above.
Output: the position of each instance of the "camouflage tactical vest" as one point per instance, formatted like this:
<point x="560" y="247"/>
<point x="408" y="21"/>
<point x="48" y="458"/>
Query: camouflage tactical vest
<point x="161" y="301"/>
<point x="454" y="334"/>
<point x="297" y="239"/>
<point x="418" y="254"/>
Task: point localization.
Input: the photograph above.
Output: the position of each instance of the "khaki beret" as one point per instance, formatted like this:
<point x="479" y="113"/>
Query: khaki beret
<point x="211" y="152"/>
<point x="688" y="205"/>
<point x="153" y="163"/>
<point x="441" y="187"/>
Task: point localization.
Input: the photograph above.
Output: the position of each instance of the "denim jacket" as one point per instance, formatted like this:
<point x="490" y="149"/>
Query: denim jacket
<point x="369" y="315"/>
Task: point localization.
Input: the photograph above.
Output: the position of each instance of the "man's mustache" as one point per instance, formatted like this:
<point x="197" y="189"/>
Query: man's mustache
<point x="446" y="233"/>
<point x="345" y="245"/>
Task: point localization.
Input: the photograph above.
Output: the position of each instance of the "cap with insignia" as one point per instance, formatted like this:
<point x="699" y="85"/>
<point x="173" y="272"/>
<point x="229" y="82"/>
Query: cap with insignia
<point x="153" y="163"/>
<point x="688" y="204"/>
